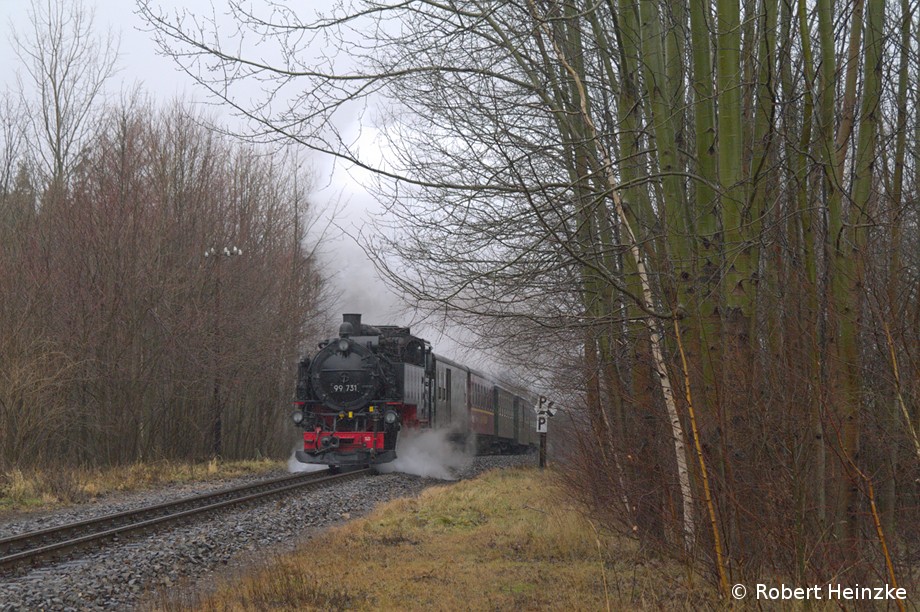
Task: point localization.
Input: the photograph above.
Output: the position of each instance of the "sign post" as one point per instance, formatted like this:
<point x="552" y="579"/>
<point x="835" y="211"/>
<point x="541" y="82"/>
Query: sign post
<point x="543" y="450"/>
<point x="544" y="412"/>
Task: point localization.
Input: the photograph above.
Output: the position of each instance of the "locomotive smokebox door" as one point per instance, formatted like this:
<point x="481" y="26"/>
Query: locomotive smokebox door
<point x="343" y="374"/>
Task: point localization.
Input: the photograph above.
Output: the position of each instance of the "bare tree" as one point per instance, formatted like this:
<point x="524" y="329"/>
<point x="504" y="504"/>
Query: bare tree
<point x="66" y="66"/>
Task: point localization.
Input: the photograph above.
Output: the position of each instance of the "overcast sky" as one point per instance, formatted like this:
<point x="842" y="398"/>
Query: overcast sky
<point x="140" y="65"/>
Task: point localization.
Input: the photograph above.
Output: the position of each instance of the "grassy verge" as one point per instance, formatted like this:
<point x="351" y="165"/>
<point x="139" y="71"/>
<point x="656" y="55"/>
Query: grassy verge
<point x="504" y="541"/>
<point x="42" y="489"/>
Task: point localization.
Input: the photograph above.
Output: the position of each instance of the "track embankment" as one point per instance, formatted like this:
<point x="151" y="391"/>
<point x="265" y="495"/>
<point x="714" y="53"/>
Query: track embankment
<point x="141" y="570"/>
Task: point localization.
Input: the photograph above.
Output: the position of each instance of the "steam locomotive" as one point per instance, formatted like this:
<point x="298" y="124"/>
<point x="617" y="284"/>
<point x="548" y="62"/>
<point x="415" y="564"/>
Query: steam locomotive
<point x="361" y="388"/>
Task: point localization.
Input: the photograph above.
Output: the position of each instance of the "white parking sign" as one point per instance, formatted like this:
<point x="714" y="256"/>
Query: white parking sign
<point x="542" y="420"/>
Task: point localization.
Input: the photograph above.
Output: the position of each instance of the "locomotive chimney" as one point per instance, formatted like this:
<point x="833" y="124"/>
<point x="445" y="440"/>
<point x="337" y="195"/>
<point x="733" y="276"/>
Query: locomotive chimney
<point x="354" y="319"/>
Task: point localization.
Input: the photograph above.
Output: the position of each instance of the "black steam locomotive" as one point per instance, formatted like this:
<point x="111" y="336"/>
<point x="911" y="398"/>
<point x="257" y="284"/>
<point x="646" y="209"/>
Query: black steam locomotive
<point x="354" y="396"/>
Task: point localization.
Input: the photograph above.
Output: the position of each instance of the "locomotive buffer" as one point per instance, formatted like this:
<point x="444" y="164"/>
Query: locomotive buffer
<point x="544" y="412"/>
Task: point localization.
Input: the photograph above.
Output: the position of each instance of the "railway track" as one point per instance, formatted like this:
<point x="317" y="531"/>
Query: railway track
<point x="37" y="547"/>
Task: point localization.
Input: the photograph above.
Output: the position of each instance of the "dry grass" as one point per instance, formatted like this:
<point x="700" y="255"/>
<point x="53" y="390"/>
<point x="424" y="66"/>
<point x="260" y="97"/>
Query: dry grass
<point x="505" y="541"/>
<point x="41" y="489"/>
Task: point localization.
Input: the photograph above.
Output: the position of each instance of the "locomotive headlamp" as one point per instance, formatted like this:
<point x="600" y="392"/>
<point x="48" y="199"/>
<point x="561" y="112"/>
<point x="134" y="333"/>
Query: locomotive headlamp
<point x="297" y="416"/>
<point x="343" y="345"/>
<point x="390" y="417"/>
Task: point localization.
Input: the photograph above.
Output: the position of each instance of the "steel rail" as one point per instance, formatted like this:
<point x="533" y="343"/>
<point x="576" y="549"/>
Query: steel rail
<point x="43" y="544"/>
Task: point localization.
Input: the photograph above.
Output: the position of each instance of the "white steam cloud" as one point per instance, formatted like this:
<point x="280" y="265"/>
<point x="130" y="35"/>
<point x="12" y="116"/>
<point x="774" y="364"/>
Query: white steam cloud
<point x="428" y="453"/>
<point x="296" y="466"/>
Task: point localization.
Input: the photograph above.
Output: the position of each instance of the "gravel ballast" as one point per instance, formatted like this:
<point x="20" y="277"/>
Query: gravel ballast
<point x="122" y="574"/>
